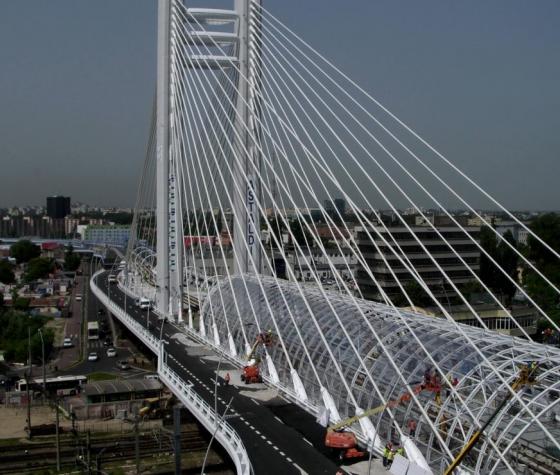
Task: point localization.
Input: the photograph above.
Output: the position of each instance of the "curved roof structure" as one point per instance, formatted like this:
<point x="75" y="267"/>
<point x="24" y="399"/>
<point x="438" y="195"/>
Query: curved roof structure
<point x="376" y="354"/>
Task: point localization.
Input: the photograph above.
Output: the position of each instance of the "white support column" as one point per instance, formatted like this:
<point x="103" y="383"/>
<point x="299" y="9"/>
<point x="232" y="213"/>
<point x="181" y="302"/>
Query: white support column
<point x="162" y="158"/>
<point x="176" y="242"/>
<point x="245" y="211"/>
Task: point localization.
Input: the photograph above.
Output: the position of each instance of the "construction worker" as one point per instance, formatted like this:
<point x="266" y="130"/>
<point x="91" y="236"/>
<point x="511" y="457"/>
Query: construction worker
<point x="412" y="427"/>
<point x="533" y="371"/>
<point x="427" y="377"/>
<point x="390" y="458"/>
<point x="386" y="453"/>
<point x="400" y="451"/>
<point x="227" y="379"/>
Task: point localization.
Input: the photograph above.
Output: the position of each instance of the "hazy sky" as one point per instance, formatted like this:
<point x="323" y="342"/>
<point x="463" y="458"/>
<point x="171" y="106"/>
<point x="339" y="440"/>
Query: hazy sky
<point x="480" y="79"/>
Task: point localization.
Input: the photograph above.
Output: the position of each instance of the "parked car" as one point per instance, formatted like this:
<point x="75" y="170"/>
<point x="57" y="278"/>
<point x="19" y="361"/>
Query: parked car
<point x="78" y="297"/>
<point x="93" y="356"/>
<point x="152" y="377"/>
<point x="145" y="303"/>
<point x="123" y="364"/>
<point x="111" y="352"/>
<point x="67" y="343"/>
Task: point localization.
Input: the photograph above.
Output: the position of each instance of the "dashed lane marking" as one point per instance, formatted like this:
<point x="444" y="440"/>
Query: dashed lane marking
<point x="308" y="441"/>
<point x="303" y="472"/>
<point x="278" y="419"/>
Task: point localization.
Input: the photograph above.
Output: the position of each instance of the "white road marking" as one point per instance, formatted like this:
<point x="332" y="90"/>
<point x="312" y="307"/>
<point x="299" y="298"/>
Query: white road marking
<point x="255" y="402"/>
<point x="257" y="432"/>
<point x="307" y="441"/>
<point x="303" y="472"/>
<point x="278" y="419"/>
<point x="282" y="453"/>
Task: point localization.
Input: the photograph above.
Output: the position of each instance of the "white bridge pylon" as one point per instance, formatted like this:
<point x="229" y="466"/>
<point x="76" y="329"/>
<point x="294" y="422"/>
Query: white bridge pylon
<point x="240" y="229"/>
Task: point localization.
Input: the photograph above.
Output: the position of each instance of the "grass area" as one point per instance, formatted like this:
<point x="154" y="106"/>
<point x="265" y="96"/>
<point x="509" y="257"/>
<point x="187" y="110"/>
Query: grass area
<point x="100" y="376"/>
<point x="9" y="442"/>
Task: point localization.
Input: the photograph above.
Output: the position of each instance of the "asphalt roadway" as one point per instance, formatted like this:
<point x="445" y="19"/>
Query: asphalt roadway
<point x="90" y="308"/>
<point x="280" y="437"/>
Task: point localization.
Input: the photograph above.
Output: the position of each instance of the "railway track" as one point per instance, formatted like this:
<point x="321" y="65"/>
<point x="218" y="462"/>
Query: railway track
<point x="29" y="458"/>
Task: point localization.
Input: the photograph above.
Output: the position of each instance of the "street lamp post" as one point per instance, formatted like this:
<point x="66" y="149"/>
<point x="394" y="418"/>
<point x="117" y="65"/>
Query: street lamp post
<point x="216" y="385"/>
<point x="43" y="360"/>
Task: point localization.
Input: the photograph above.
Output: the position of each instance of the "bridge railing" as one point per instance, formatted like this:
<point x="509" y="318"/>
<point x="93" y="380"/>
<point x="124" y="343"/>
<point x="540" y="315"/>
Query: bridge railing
<point x="225" y="434"/>
<point x="142" y="333"/>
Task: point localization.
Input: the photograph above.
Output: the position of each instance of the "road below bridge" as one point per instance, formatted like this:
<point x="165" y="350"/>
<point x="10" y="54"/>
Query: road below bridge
<point x="280" y="437"/>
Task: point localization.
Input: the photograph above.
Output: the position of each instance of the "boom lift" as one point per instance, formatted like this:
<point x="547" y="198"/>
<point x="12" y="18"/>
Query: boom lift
<point x="339" y="439"/>
<point x="251" y="372"/>
<point x="527" y="376"/>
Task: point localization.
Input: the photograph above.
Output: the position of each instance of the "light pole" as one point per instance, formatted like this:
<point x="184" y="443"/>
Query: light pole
<point x="216" y="385"/>
<point x="43" y="359"/>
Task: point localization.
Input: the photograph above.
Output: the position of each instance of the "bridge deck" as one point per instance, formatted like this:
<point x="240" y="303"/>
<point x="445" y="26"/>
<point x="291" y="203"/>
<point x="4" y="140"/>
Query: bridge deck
<point x="279" y="437"/>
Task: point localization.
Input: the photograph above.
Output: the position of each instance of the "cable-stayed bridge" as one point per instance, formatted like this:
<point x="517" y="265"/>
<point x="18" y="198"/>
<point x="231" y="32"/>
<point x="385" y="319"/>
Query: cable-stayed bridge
<point x="253" y="131"/>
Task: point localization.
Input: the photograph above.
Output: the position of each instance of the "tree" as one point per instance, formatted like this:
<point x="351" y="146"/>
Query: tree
<point x="505" y="258"/>
<point x="508" y="260"/>
<point x="299" y="233"/>
<point x="488" y="271"/>
<point x="547" y="227"/>
<point x="24" y="251"/>
<point x="21" y="303"/>
<point x="7" y="275"/>
<point x="38" y="268"/>
<point x="71" y="260"/>
<point x="14" y="327"/>
<point x="417" y="295"/>
<point x="277" y="228"/>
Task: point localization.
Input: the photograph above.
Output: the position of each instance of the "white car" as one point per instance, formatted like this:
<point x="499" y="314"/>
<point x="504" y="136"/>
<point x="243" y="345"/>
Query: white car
<point x="67" y="343"/>
<point x="93" y="356"/>
<point x="111" y="352"/>
<point x="78" y="297"/>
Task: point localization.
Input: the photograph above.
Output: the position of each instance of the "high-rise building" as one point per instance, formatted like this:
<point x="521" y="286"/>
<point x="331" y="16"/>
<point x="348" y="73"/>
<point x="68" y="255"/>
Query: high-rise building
<point x="58" y="207"/>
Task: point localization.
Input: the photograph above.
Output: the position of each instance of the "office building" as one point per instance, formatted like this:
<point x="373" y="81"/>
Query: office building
<point x="381" y="259"/>
<point x="58" y="207"/>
